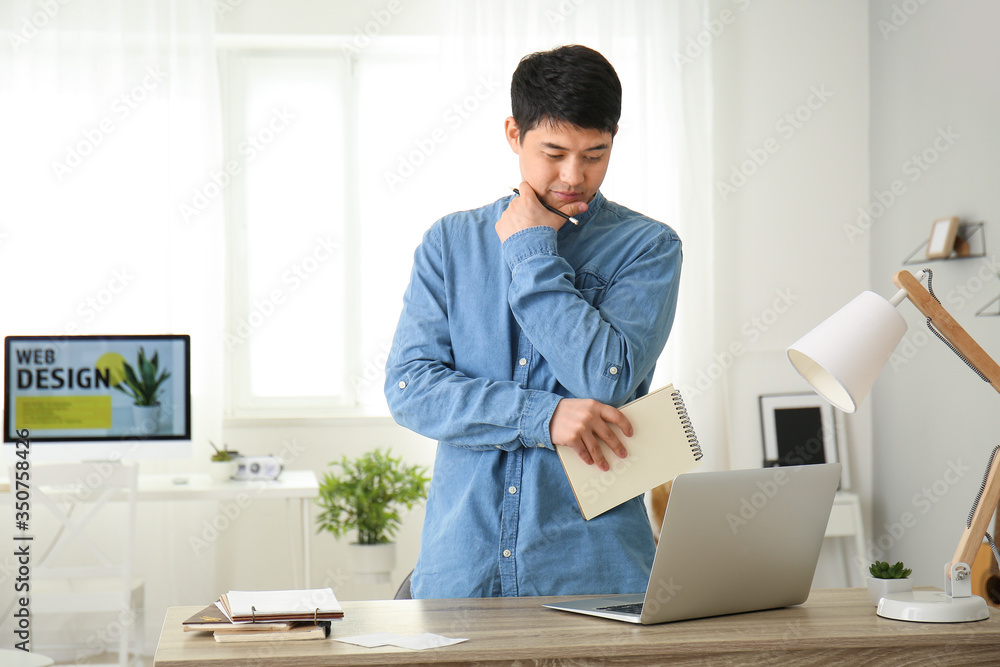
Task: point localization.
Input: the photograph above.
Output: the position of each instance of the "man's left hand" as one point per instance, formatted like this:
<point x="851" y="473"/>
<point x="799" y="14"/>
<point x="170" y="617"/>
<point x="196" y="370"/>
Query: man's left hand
<point x="526" y="210"/>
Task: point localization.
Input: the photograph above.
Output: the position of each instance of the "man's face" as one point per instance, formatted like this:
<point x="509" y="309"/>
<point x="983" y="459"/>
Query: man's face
<point x="563" y="163"/>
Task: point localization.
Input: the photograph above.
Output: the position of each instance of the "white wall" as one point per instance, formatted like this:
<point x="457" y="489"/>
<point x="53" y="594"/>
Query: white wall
<point x="791" y="164"/>
<point x="905" y="79"/>
<point x="934" y="73"/>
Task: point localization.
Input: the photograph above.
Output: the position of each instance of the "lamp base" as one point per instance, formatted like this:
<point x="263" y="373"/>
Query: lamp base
<point x="932" y="607"/>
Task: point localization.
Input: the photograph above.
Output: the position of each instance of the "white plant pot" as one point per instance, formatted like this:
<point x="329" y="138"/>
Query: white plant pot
<point x="372" y="558"/>
<point x="879" y="588"/>
<point x="146" y="418"/>
<point x="220" y="471"/>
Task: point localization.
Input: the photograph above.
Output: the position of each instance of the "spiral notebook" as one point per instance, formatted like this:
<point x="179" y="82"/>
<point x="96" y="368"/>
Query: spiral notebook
<point x="663" y="445"/>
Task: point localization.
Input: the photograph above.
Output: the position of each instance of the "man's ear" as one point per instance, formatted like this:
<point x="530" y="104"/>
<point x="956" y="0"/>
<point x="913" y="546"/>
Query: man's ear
<point x="513" y="134"/>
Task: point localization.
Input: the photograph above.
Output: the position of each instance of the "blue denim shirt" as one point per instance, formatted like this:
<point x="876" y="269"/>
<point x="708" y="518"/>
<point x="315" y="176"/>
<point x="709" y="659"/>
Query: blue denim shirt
<point x="491" y="337"/>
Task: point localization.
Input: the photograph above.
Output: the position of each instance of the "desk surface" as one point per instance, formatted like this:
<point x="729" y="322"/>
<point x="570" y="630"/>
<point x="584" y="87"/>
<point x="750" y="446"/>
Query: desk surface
<point x="300" y="484"/>
<point x="199" y="486"/>
<point x="835" y="626"/>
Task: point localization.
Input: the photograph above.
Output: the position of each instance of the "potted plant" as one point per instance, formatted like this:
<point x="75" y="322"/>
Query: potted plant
<point x="886" y="579"/>
<point x="224" y="463"/>
<point x="144" y="388"/>
<point x="368" y="494"/>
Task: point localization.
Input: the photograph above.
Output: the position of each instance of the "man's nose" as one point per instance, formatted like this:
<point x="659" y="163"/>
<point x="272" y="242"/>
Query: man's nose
<point x="572" y="173"/>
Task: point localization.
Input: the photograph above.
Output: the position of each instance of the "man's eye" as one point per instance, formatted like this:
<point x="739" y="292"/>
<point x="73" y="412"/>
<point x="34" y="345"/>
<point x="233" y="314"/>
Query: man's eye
<point x="594" y="159"/>
<point x="552" y="157"/>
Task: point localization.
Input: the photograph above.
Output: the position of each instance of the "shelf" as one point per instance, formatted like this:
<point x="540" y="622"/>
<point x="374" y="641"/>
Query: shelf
<point x="970" y="242"/>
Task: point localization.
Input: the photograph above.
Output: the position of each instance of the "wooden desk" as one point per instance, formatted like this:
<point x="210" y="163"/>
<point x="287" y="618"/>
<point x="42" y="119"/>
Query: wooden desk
<point x="835" y="626"/>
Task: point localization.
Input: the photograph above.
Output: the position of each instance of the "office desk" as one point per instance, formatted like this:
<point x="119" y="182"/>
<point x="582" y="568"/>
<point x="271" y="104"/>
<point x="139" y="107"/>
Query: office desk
<point x="292" y="485"/>
<point x="835" y="626"/>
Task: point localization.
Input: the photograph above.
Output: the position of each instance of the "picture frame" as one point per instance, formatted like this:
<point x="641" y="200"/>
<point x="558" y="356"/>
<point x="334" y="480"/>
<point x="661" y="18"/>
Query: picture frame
<point x="942" y="240"/>
<point x="801" y="429"/>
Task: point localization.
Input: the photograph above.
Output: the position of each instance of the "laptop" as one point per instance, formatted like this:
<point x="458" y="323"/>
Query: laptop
<point x="731" y="542"/>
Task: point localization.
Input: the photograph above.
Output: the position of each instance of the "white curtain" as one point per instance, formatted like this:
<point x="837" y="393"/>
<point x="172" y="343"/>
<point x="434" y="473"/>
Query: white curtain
<point x="109" y="121"/>
<point x="662" y="162"/>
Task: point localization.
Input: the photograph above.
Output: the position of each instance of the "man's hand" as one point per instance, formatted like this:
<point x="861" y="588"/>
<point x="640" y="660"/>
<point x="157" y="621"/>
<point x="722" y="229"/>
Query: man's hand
<point x="582" y="425"/>
<point x="525" y="210"/>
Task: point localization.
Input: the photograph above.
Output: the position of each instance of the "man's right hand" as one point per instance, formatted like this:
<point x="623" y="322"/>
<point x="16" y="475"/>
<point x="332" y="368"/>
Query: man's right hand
<point x="582" y="424"/>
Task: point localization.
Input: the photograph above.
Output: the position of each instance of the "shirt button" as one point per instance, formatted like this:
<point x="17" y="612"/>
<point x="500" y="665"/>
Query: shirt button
<point x="506" y="553"/>
<point x="613" y="370"/>
<point x="512" y="490"/>
<point x="402" y="384"/>
<point x="522" y="361"/>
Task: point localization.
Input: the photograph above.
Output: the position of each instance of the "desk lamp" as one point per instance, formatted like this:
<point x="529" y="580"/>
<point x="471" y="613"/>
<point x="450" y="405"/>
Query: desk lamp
<point x="842" y="357"/>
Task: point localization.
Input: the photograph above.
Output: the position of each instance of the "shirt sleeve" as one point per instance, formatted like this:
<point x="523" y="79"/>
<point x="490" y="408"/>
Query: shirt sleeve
<point x="601" y="352"/>
<point x="427" y="395"/>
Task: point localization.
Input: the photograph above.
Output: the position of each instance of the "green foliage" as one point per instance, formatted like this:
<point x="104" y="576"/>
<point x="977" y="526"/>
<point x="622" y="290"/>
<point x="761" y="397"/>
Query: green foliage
<point x="143" y="387"/>
<point x="368" y="495"/>
<point x="882" y="570"/>
<point x="224" y="454"/>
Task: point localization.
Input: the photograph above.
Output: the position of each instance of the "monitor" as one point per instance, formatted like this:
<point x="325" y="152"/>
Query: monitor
<point x="85" y="398"/>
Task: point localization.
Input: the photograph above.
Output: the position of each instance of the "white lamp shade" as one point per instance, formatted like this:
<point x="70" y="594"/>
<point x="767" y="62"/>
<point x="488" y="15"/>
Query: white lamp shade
<point x="842" y="356"/>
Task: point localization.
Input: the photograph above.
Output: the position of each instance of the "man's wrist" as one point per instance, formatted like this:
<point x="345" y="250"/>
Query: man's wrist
<point x="537" y="417"/>
<point x="527" y="243"/>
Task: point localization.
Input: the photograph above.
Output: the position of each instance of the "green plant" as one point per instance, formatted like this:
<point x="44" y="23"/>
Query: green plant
<point x="224" y="454"/>
<point x="143" y="387"/>
<point x="882" y="570"/>
<point x="368" y="494"/>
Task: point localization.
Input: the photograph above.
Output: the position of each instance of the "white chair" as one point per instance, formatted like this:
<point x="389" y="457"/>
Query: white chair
<point x="86" y="568"/>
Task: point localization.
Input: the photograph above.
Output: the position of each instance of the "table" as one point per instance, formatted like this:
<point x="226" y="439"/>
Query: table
<point x="835" y="626"/>
<point x="291" y="485"/>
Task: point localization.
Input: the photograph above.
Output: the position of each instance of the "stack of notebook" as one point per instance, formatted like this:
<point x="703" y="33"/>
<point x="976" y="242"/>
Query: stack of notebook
<point x="248" y="616"/>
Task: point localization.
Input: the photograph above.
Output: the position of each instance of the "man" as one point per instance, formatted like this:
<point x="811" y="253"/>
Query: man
<point x="521" y="332"/>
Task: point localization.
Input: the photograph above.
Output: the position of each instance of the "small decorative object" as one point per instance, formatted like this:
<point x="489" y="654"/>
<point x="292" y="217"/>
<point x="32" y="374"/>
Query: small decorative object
<point x="144" y="388"/>
<point x="942" y="241"/>
<point x="224" y="464"/>
<point x="800" y="429"/>
<point x="368" y="495"/>
<point x="886" y="579"/>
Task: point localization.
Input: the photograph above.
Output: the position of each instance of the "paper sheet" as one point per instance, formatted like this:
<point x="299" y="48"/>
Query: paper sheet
<point x="413" y="642"/>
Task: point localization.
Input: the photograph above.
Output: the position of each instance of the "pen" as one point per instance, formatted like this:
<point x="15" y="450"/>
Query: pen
<point x="554" y="210"/>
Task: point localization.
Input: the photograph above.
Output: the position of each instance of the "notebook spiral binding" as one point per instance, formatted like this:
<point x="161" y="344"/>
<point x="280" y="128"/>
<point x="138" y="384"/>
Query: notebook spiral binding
<point x="692" y="437"/>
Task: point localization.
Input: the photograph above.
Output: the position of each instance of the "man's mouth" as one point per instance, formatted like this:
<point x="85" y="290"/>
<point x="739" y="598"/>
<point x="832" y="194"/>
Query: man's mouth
<point x="567" y="197"/>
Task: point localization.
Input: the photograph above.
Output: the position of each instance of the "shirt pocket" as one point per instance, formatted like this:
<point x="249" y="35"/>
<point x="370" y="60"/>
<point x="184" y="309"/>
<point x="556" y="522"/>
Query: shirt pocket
<point x="591" y="286"/>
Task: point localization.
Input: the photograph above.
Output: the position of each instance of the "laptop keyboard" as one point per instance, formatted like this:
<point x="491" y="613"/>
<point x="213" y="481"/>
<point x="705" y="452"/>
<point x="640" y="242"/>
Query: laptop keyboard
<point x="633" y="608"/>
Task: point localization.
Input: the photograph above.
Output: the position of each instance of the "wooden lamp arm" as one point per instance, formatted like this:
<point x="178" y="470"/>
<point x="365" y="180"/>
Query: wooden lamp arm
<point x="972" y="537"/>
<point x="948" y="327"/>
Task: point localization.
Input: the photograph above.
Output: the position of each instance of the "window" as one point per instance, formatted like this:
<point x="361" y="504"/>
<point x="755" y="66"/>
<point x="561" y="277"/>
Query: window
<point x="336" y="168"/>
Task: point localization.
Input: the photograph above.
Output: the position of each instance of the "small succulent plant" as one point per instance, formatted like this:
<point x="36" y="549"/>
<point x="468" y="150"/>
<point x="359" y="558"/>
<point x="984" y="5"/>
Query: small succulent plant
<point x="224" y="454"/>
<point x="882" y="570"/>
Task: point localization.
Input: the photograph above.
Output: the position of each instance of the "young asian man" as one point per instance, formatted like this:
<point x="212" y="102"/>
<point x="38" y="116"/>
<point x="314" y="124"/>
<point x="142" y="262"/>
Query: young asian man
<point x="522" y="332"/>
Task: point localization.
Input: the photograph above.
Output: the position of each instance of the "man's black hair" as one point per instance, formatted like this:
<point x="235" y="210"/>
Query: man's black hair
<point x="571" y="84"/>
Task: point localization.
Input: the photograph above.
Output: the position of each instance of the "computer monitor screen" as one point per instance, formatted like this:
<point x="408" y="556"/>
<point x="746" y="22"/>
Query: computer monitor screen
<point x="78" y="398"/>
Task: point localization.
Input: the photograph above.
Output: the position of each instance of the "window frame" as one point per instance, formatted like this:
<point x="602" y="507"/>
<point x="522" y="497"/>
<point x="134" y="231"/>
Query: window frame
<point x="241" y="405"/>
